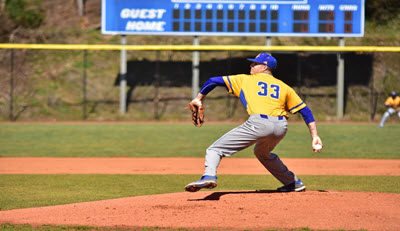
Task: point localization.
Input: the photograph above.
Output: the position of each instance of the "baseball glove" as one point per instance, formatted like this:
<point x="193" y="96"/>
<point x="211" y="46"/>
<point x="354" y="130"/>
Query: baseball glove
<point x="197" y="113"/>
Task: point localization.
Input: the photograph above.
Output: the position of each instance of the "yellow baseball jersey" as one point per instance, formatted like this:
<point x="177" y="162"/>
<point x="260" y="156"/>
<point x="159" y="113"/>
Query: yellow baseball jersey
<point x="394" y="103"/>
<point x="264" y="94"/>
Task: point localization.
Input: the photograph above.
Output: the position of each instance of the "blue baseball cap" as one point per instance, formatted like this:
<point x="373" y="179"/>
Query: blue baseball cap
<point x="393" y="93"/>
<point x="265" y="59"/>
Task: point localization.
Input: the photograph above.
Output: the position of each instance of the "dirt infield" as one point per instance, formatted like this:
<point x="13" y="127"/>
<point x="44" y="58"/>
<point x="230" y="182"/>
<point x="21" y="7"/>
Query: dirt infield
<point x="232" y="210"/>
<point x="233" y="166"/>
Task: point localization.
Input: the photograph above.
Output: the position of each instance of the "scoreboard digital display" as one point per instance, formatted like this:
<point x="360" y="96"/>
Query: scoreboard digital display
<point x="311" y="18"/>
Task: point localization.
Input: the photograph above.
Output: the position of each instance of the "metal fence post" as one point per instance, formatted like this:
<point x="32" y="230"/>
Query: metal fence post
<point x="340" y="82"/>
<point x="122" y="75"/>
<point x="11" y="113"/>
<point x="84" y="84"/>
<point x="195" y="69"/>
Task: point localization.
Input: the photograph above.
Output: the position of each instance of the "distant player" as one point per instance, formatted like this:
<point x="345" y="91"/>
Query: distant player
<point x="267" y="101"/>
<point x="393" y="105"/>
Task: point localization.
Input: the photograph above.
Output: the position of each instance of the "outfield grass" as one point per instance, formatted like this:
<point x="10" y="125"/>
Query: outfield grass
<point x="177" y="140"/>
<point x="171" y="140"/>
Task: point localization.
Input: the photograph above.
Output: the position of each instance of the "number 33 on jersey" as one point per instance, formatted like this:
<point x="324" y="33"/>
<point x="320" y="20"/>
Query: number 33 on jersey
<point x="264" y="94"/>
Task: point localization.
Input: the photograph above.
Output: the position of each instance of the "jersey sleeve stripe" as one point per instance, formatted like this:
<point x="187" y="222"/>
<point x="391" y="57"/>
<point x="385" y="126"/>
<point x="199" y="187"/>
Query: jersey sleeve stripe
<point x="290" y="110"/>
<point x="230" y="84"/>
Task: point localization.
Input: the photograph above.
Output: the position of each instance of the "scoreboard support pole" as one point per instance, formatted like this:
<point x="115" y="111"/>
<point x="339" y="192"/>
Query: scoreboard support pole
<point x="11" y="112"/>
<point x="340" y="82"/>
<point x="268" y="41"/>
<point x="195" y="68"/>
<point x="84" y="84"/>
<point x="122" y="76"/>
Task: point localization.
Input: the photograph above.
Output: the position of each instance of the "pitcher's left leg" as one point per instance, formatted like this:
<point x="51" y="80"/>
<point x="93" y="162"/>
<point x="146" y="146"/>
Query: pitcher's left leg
<point x="233" y="141"/>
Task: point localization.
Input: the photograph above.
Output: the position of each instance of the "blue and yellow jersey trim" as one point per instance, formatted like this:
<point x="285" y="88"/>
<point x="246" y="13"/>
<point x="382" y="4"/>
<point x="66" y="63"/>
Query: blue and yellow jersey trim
<point x="292" y="110"/>
<point x="229" y="85"/>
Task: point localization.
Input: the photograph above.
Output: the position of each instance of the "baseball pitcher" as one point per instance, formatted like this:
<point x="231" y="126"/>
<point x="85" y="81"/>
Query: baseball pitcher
<point x="267" y="101"/>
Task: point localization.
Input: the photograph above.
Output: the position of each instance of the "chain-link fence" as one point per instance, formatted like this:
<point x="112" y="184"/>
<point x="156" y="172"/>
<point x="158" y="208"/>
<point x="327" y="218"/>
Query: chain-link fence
<point x="71" y="85"/>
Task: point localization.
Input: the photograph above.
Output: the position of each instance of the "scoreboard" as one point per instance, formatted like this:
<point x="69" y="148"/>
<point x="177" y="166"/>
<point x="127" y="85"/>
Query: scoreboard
<point x="311" y="18"/>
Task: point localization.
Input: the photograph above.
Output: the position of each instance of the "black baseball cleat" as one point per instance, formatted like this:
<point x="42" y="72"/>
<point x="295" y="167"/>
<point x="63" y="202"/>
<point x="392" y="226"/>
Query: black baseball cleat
<point x="208" y="182"/>
<point x="296" y="186"/>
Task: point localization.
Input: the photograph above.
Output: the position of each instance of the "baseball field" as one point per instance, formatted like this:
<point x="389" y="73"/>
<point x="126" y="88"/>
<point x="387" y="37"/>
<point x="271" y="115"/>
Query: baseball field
<point x="131" y="176"/>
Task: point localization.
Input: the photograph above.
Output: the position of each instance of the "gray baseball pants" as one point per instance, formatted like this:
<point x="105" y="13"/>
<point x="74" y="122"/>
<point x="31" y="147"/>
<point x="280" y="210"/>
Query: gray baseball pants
<point x="390" y="111"/>
<point x="265" y="132"/>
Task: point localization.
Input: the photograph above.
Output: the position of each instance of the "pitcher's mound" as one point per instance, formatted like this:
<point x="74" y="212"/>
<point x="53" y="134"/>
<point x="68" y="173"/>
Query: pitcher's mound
<point x="227" y="209"/>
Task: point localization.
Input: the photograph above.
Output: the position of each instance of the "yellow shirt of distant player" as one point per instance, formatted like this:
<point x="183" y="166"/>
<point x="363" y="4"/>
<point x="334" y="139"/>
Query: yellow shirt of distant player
<point x="264" y="94"/>
<point x="394" y="103"/>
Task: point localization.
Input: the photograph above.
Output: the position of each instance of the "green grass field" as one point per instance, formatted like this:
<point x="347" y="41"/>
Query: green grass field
<point x="171" y="140"/>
